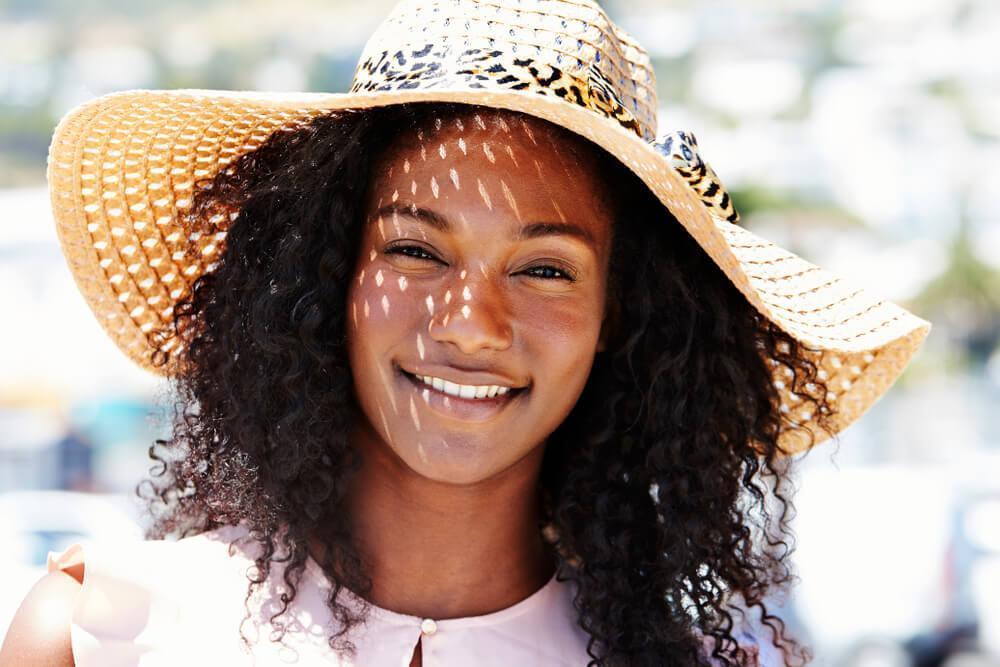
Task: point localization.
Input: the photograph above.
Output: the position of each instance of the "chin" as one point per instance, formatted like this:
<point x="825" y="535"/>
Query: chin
<point x="459" y="464"/>
<point x="447" y="464"/>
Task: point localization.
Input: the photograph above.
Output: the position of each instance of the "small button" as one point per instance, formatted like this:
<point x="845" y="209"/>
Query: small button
<point x="428" y="626"/>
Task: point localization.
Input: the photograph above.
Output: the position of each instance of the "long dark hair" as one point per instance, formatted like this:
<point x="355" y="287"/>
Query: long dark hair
<point x="665" y="491"/>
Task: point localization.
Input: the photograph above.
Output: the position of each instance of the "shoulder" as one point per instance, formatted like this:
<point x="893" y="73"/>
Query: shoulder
<point x="96" y="594"/>
<point x="138" y="572"/>
<point x="39" y="633"/>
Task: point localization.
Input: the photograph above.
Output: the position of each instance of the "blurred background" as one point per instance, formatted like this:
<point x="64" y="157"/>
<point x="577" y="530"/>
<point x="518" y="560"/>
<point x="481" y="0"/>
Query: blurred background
<point x="862" y="135"/>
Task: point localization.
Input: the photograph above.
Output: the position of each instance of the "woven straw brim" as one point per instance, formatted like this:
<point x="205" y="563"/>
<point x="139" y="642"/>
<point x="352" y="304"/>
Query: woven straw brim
<point x="122" y="169"/>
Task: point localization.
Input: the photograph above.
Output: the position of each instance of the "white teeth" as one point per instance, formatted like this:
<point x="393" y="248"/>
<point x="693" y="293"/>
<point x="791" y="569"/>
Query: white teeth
<point x="464" y="390"/>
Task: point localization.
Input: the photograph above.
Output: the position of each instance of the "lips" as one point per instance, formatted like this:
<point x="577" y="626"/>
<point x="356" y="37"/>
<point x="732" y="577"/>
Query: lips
<point x="511" y="392"/>
<point x="461" y="409"/>
<point x="459" y="375"/>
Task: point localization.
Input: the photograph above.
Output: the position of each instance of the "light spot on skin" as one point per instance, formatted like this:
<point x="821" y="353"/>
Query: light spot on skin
<point x="413" y="188"/>
<point x="372" y="255"/>
<point x="502" y="123"/>
<point x="564" y="163"/>
<point x="395" y="195"/>
<point x="423" y="153"/>
<point x="379" y="278"/>
<point x="430" y="304"/>
<point x="527" y="129"/>
<point x="489" y="154"/>
<point x="447" y="316"/>
<point x="466" y="310"/>
<point x="479" y="121"/>
<point x="361" y="278"/>
<point x="402" y="283"/>
<point x="354" y="312"/>
<point x="454" y="178"/>
<point x="447" y="296"/>
<point x="385" y="304"/>
<point x="466" y="293"/>
<point x="462" y="274"/>
<point x="385" y="423"/>
<point x="485" y="195"/>
<point x="510" y="152"/>
<point x="442" y="152"/>
<point x="366" y="308"/>
<point x="406" y="166"/>
<point x="381" y="229"/>
<point x="387" y="386"/>
<point x="510" y="199"/>
<point x="558" y="211"/>
<point x="538" y="168"/>
<point x="461" y="146"/>
<point x="426" y="394"/>
<point x="460" y="125"/>
<point x="434" y="187"/>
<point x="413" y="413"/>
<point x="437" y="124"/>
<point x="421" y="452"/>
<point x="420" y="346"/>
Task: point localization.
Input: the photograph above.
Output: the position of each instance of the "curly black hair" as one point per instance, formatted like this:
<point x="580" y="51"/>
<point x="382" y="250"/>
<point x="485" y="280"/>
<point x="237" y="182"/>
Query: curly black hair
<point x="666" y="494"/>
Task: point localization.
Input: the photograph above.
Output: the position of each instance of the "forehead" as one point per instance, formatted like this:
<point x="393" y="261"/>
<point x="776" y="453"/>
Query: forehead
<point x="523" y="157"/>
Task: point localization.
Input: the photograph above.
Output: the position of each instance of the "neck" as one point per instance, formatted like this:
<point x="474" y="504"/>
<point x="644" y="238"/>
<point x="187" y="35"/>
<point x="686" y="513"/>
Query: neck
<point x="440" y="550"/>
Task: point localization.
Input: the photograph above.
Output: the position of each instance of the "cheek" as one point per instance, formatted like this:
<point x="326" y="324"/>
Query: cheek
<point x="383" y="309"/>
<point x="383" y="319"/>
<point x="561" y="336"/>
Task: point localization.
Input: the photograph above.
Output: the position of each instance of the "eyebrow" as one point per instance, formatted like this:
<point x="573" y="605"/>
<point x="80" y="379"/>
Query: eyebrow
<point x="532" y="230"/>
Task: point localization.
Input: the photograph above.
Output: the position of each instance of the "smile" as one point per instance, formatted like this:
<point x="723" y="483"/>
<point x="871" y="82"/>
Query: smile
<point x="463" y="390"/>
<point x="466" y="402"/>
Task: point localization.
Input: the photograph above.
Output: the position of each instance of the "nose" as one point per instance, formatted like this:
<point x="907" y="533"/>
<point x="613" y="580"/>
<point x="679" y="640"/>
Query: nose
<point x="475" y="315"/>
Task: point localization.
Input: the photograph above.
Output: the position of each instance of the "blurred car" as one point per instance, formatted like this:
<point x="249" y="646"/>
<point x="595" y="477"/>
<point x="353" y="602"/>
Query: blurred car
<point x="967" y="632"/>
<point x="976" y="566"/>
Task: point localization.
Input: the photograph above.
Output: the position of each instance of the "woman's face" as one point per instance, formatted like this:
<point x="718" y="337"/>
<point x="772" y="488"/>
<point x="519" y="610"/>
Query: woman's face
<point x="484" y="261"/>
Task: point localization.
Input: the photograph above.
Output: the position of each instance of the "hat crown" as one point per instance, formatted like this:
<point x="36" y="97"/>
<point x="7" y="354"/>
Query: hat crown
<point x="567" y="48"/>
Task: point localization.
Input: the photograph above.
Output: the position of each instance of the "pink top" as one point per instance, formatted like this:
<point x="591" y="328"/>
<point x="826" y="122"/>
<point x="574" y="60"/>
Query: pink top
<point x="159" y="603"/>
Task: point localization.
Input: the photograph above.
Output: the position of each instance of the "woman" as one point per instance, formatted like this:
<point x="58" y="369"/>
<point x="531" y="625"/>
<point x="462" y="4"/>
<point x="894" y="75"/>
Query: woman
<point x="457" y="385"/>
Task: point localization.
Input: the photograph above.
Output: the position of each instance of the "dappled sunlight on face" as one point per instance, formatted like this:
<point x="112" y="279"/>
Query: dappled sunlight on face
<point x="484" y="262"/>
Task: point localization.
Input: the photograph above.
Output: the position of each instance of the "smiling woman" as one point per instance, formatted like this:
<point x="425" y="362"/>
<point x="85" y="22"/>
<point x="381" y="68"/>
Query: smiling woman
<point x="471" y="369"/>
<point x="408" y="392"/>
<point x="387" y="267"/>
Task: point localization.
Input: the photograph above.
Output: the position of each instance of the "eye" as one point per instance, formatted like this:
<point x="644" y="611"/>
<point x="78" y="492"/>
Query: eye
<point x="415" y="252"/>
<point x="402" y="248"/>
<point x="563" y="274"/>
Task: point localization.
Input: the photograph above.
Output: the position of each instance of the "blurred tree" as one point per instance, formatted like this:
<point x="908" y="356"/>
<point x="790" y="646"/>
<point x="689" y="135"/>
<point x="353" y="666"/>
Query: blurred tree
<point x="965" y="299"/>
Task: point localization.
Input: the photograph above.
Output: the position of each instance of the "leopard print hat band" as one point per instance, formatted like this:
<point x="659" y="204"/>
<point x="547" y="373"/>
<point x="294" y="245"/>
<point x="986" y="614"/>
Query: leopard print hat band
<point x="123" y="167"/>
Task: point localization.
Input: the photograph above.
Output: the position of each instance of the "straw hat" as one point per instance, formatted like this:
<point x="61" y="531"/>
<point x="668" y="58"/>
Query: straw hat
<point x="123" y="167"/>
